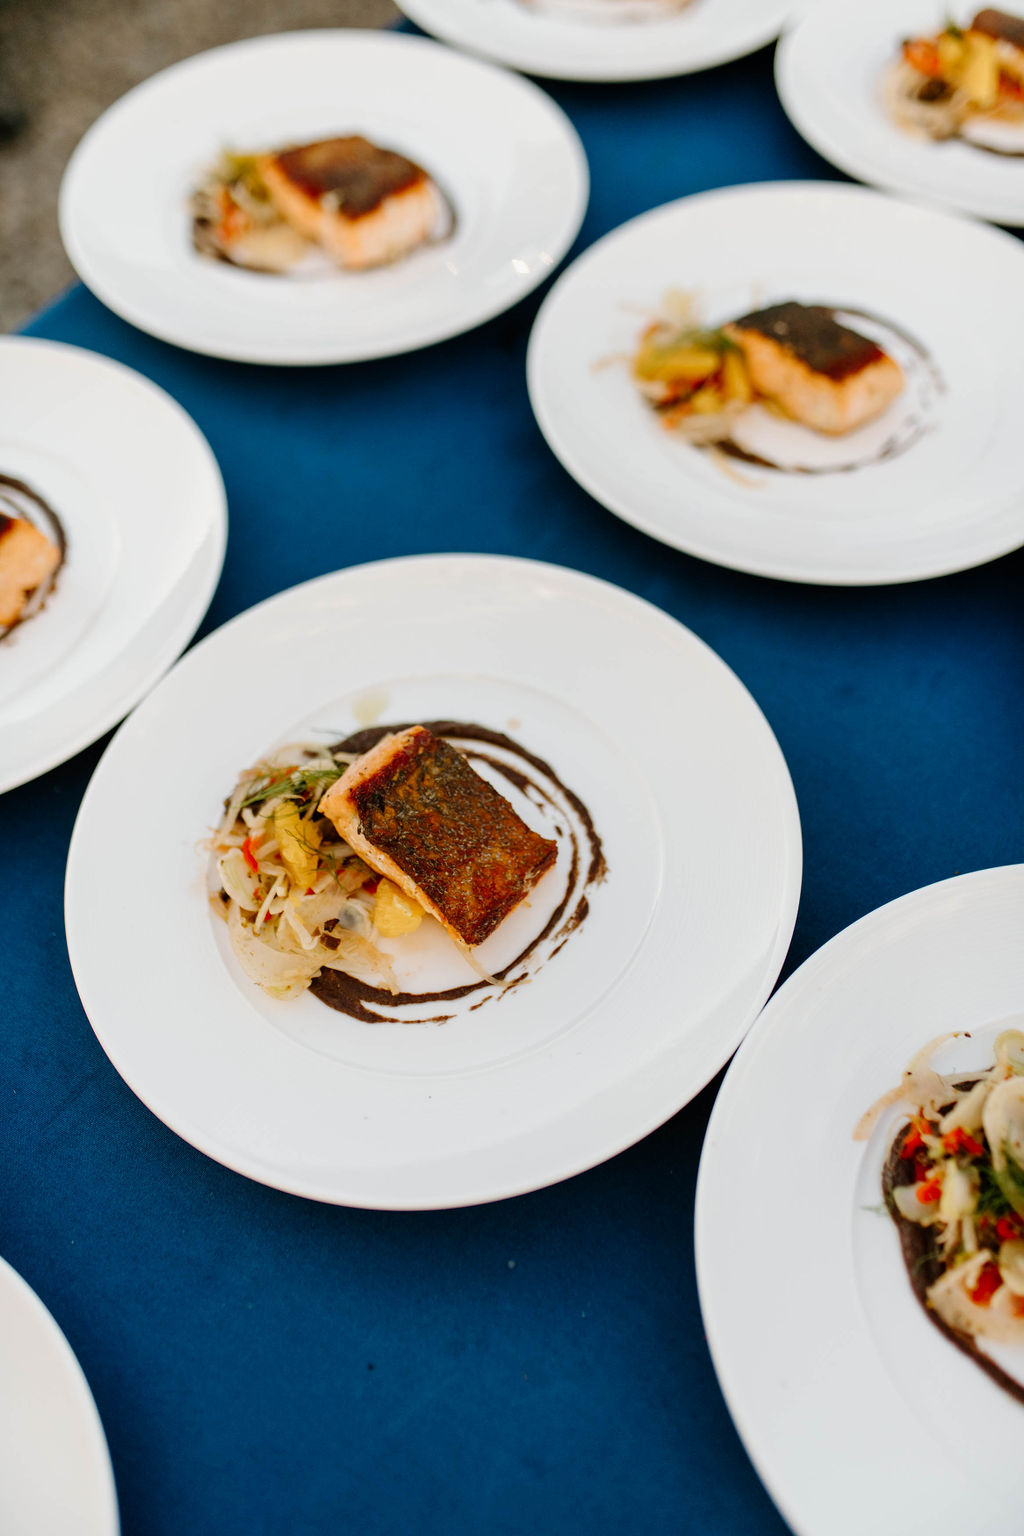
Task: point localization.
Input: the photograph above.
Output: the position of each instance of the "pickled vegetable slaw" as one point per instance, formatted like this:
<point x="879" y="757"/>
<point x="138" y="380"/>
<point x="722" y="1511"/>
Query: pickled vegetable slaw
<point x="295" y="897"/>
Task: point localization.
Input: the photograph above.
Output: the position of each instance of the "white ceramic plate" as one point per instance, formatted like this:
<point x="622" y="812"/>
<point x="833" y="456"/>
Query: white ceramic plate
<point x="829" y="70"/>
<point x="684" y="939"/>
<point x="141" y="501"/>
<point x="506" y="156"/>
<point x="55" y="1474"/>
<point x="538" y="39"/>
<point x="952" y="497"/>
<point x="857" y="1413"/>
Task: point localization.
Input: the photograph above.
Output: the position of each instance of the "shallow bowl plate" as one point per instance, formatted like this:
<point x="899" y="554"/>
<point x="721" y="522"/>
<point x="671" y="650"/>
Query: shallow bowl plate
<point x="830" y="69"/>
<point x="934" y="485"/>
<point x="847" y="1397"/>
<point x="507" y="158"/>
<point x="141" y="501"/>
<point x="535" y="38"/>
<point x="688" y="791"/>
<point x="55" y="1473"/>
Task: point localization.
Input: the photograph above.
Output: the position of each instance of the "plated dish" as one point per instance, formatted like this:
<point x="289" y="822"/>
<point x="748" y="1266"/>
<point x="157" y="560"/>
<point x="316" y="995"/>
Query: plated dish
<point x="55" y="1473"/>
<point x="953" y="1182"/>
<point x="112" y="532"/>
<point x="964" y="82"/>
<point x="342" y="201"/>
<point x="804" y="363"/>
<point x="826" y="419"/>
<point x="362" y="869"/>
<point x="846" y="1393"/>
<point x="349" y="223"/>
<point x="925" y="101"/>
<point x="604" y="39"/>
<point x="669" y="903"/>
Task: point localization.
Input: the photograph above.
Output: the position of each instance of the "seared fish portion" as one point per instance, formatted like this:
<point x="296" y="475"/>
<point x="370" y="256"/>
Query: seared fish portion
<point x="417" y="813"/>
<point x="365" y="205"/>
<point x="818" y="371"/>
<point x="27" y="560"/>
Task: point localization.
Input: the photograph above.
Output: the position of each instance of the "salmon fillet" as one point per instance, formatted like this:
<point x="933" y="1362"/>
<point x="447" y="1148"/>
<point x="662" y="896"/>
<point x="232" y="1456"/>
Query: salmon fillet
<point x="416" y="811"/>
<point x="821" y="373"/>
<point x="27" y="560"/>
<point x="365" y="205"/>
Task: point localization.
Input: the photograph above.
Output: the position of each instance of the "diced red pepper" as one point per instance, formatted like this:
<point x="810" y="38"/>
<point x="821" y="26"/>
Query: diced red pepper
<point x="249" y="853"/>
<point x="922" y="56"/>
<point x="1009" y="1227"/>
<point x="370" y="886"/>
<point x="922" y="1170"/>
<point x="989" y="1282"/>
<point x="930" y="1190"/>
<point x="958" y="1140"/>
<point x="913" y="1141"/>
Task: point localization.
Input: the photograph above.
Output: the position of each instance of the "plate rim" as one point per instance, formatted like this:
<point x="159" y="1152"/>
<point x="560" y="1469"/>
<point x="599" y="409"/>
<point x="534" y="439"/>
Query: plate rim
<point x="338" y="355"/>
<point x="851" y="163"/>
<point x="194" y="612"/>
<point x="666" y="1103"/>
<point x="78" y="1389"/>
<point x="417" y="12"/>
<point x="756" y="1444"/>
<point x="767" y="568"/>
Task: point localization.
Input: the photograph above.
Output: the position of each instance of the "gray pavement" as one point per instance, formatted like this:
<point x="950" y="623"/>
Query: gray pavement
<point x="62" y="62"/>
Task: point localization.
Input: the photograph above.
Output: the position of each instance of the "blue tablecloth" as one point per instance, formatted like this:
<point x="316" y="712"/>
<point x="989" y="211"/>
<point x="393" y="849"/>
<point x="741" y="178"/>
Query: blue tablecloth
<point x="263" y="1364"/>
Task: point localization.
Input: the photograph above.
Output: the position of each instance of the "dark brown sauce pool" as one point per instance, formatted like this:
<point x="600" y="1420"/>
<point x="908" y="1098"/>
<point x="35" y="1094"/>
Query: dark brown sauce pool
<point x="20" y="500"/>
<point x="532" y="776"/>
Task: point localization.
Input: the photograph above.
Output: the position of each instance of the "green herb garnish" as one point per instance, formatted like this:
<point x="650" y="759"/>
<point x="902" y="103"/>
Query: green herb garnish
<point x="300" y="784"/>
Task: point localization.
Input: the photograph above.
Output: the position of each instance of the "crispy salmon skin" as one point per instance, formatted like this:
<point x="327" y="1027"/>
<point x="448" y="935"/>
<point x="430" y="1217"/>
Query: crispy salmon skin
<point x="819" y="371"/>
<point x="417" y="812"/>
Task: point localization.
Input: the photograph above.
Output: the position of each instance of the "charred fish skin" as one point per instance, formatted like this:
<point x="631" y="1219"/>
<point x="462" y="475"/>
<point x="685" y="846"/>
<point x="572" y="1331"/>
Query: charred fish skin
<point x="360" y="175"/>
<point x="811" y="333"/>
<point x="415" y="809"/>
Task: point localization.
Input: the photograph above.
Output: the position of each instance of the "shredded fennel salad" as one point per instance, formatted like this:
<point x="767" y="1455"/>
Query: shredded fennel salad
<point x="965" y="1148"/>
<point x="295" y="897"/>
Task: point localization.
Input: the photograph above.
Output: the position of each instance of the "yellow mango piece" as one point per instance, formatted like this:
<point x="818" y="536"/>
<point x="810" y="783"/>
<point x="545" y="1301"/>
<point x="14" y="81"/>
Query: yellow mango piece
<point x="675" y="364"/>
<point x="735" y="378"/>
<point x="298" y="841"/>
<point x="952" y="51"/>
<point x="707" y="401"/>
<point x="394" y="913"/>
<point x="980" y="78"/>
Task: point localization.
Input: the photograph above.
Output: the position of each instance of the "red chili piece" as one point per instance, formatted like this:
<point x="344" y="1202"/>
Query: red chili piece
<point x="989" y="1282"/>
<point x="957" y="1140"/>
